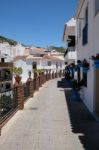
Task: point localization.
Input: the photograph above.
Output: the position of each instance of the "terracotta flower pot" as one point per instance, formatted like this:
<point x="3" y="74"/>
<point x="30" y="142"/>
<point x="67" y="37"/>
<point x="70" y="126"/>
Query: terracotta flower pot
<point x="18" y="79"/>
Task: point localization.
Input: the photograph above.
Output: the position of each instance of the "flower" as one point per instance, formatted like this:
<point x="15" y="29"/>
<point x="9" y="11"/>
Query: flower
<point x="95" y="57"/>
<point x="79" y="62"/>
<point x="85" y="63"/>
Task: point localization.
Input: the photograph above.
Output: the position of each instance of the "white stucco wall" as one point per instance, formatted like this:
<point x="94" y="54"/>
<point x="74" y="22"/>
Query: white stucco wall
<point x="91" y="48"/>
<point x="72" y="55"/>
<point x="11" y="51"/>
<point x="26" y="67"/>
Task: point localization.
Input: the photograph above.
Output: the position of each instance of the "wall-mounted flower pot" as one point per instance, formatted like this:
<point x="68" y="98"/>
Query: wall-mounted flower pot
<point x="75" y="96"/>
<point x="76" y="68"/>
<point x="96" y="63"/>
<point x="79" y="65"/>
<point x="18" y="79"/>
<point x="85" y="69"/>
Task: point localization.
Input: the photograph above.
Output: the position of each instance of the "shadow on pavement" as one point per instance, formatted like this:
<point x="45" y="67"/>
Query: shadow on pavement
<point x="82" y="121"/>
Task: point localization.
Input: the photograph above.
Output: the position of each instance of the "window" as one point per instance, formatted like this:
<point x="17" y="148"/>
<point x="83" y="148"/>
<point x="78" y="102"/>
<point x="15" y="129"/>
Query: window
<point x="71" y="43"/>
<point x="85" y="29"/>
<point x="8" y="86"/>
<point x="49" y="63"/>
<point x="34" y="65"/>
<point x="85" y="79"/>
<point x="2" y="60"/>
<point x="96" y="6"/>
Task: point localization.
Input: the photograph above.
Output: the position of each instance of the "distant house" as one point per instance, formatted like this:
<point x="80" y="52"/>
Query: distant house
<point x="46" y="62"/>
<point x="11" y="51"/>
<point x="70" y="54"/>
<point x="30" y="58"/>
<point x="69" y="38"/>
<point x="45" y="59"/>
<point x="87" y="45"/>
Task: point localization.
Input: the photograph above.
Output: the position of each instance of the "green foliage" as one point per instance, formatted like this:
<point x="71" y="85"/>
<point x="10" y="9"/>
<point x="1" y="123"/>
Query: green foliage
<point x="58" y="49"/>
<point x="16" y="70"/>
<point x="38" y="70"/>
<point x="10" y="41"/>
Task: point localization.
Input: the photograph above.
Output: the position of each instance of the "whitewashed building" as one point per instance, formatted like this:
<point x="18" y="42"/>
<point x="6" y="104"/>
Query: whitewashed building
<point x="69" y="39"/>
<point x="11" y="51"/>
<point x="87" y="45"/>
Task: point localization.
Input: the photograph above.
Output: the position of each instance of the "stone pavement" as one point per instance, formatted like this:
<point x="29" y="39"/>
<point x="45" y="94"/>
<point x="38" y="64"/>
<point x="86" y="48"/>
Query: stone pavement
<point x="44" y="124"/>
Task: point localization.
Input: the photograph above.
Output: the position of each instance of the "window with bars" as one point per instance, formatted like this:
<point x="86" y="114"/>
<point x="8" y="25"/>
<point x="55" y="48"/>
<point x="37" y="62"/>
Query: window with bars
<point x="49" y="63"/>
<point x="85" y="29"/>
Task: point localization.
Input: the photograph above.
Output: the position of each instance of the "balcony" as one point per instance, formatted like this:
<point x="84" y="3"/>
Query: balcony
<point x="5" y="75"/>
<point x="6" y="64"/>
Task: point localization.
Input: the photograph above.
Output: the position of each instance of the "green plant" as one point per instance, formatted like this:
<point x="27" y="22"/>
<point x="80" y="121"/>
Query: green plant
<point x="95" y="57"/>
<point x="75" y="85"/>
<point x="85" y="63"/>
<point x="38" y="70"/>
<point x="16" y="71"/>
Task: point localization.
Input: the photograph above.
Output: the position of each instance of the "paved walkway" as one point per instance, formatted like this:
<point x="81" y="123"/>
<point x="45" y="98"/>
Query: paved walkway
<point x="44" y="124"/>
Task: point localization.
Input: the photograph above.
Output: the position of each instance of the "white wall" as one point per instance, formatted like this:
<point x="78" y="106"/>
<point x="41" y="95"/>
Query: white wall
<point x="26" y="66"/>
<point x="86" y="51"/>
<point x="72" y="55"/>
<point x="11" y="51"/>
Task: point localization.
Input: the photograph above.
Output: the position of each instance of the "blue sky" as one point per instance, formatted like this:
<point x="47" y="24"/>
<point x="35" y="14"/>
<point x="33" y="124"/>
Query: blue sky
<point x="38" y="22"/>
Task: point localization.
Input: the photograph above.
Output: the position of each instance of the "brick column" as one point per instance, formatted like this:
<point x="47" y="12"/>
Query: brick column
<point x="63" y="73"/>
<point x="37" y="83"/>
<point x="44" y="78"/>
<point x="56" y="74"/>
<point x="31" y="88"/>
<point x="53" y="75"/>
<point x="50" y="75"/>
<point x="20" y="96"/>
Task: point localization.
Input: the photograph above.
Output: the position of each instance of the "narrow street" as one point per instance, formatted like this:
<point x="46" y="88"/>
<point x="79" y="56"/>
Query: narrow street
<point x="44" y="124"/>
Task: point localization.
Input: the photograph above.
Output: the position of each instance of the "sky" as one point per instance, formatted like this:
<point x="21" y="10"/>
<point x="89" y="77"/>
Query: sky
<point x="36" y="22"/>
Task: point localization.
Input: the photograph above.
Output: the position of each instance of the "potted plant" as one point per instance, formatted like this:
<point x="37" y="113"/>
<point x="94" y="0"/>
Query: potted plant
<point x="79" y="63"/>
<point x="95" y="57"/>
<point x="35" y="73"/>
<point x="96" y="60"/>
<point x="75" y="90"/>
<point x="17" y="71"/>
<point x="85" y="65"/>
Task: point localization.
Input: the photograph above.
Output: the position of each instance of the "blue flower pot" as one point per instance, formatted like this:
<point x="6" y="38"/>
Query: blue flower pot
<point x="85" y="69"/>
<point x="75" y="95"/>
<point x="96" y="63"/>
<point x="79" y="65"/>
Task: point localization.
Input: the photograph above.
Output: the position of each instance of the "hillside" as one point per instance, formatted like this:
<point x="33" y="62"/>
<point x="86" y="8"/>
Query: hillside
<point x="10" y="41"/>
<point x="58" y="49"/>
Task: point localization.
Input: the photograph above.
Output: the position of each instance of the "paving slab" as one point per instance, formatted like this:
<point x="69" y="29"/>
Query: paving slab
<point x="44" y="124"/>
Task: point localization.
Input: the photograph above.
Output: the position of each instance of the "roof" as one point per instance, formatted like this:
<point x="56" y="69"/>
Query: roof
<point x="47" y="57"/>
<point x="36" y="50"/>
<point x="20" y="58"/>
<point x="71" y="22"/>
<point x="31" y="57"/>
<point x="26" y="51"/>
<point x="69" y="29"/>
